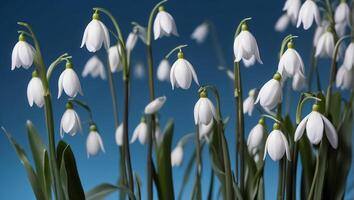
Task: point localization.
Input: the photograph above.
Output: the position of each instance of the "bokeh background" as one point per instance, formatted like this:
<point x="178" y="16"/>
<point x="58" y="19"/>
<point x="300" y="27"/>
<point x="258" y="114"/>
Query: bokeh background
<point x="59" y="26"/>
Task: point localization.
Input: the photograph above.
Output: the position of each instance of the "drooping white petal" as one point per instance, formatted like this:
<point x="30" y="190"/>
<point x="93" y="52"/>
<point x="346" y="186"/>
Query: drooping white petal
<point x="245" y="46"/>
<point x="282" y="23"/>
<point x="344" y="78"/>
<point x="163" y="70"/>
<point x="70" y="83"/>
<point x="307" y="14"/>
<point x="299" y="82"/>
<point x="204" y="111"/>
<point x="35" y="92"/>
<point x="131" y="41"/>
<point x="94" y="67"/>
<point x="325" y="45"/>
<point x="314" y="127"/>
<point x="204" y="130"/>
<point x="348" y="61"/>
<point x="331" y="132"/>
<point x="255" y="137"/>
<point x="292" y="8"/>
<point x="182" y="73"/>
<point x="300" y="128"/>
<point x="155" y="105"/>
<point x="342" y="13"/>
<point x="200" y="33"/>
<point x="275" y="145"/>
<point x="94" y="143"/>
<point x="270" y="94"/>
<point x="177" y="156"/>
<point x="286" y="145"/>
<point x="119" y="135"/>
<point x="141" y="133"/>
<point x="139" y="71"/>
<point x="22" y="55"/>
<point x="96" y="34"/>
<point x="164" y="25"/>
<point x="114" y="59"/>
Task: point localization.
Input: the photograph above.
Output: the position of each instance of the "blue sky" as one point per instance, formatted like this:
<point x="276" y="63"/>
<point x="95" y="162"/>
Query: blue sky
<point x="59" y="26"/>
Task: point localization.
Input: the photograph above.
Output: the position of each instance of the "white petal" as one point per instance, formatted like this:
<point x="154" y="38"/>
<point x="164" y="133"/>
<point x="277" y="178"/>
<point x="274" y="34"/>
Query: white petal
<point x="331" y="132"/>
<point x="196" y="111"/>
<point x="182" y="74"/>
<point x="163" y="70"/>
<point x="106" y="39"/>
<point x="282" y="23"/>
<point x="155" y="105"/>
<point x="275" y="145"/>
<point x="71" y="83"/>
<point x="172" y="75"/>
<point x="287" y="149"/>
<point x="143" y="133"/>
<point x="119" y="135"/>
<point x="314" y="127"/>
<point x="60" y="84"/>
<point x="157" y="28"/>
<point x="195" y="78"/>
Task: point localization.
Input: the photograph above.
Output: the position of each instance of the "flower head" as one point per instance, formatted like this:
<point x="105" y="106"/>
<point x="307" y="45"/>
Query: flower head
<point x="255" y="137"/>
<point x="348" y="61"/>
<point x="204" y="111"/>
<point x="325" y="45"/>
<point x="94" y="67"/>
<point x="200" y="33"/>
<point x="141" y="132"/>
<point x="282" y="23"/>
<point x="344" y="78"/>
<point x="35" y="91"/>
<point x="308" y="12"/>
<point x="248" y="103"/>
<point x="342" y="14"/>
<point x="315" y="123"/>
<point x="182" y="73"/>
<point x="277" y="144"/>
<point x="271" y="93"/>
<point x="205" y="129"/>
<point x="94" y="142"/>
<point x="320" y="29"/>
<point x="177" y="156"/>
<point x="155" y="105"/>
<point x="70" y="121"/>
<point x="163" y="70"/>
<point x="69" y="82"/>
<point x="114" y="59"/>
<point x="299" y="82"/>
<point x="290" y="62"/>
<point x="22" y="54"/>
<point x="131" y="41"/>
<point x="119" y="135"/>
<point x="292" y="8"/>
<point x="164" y="24"/>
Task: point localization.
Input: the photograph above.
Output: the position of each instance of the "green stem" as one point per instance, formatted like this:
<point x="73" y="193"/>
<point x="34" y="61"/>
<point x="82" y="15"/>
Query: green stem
<point x="280" y="195"/>
<point x="310" y="196"/>
<point x="211" y="185"/>
<point x="198" y="164"/>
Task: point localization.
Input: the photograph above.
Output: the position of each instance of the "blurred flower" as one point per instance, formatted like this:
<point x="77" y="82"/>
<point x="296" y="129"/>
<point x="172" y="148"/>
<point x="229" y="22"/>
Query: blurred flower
<point x="348" y="61"/>
<point x="299" y="82"/>
<point x="114" y="59"/>
<point x="155" y="105"/>
<point x="200" y="33"/>
<point x="248" y="103"/>
<point x="340" y="29"/>
<point x="255" y="137"/>
<point x="139" y="71"/>
<point x="342" y="13"/>
<point x="249" y="62"/>
<point x="282" y="22"/>
<point x="315" y="123"/>
<point x="94" y="142"/>
<point x="177" y="156"/>
<point x="95" y="34"/>
<point x="119" y="135"/>
<point x="308" y="12"/>
<point x="271" y="93"/>
<point x="131" y="41"/>
<point x="320" y="29"/>
<point x="70" y="121"/>
<point x="95" y="68"/>
<point x="204" y="110"/>
<point x="164" y="24"/>
<point x="325" y="45"/>
<point x="205" y="129"/>
<point x="292" y="8"/>
<point x="69" y="82"/>
<point x="35" y="91"/>
<point x="182" y="73"/>
<point x="290" y="62"/>
<point x="344" y="79"/>
<point x="163" y="70"/>
<point x="141" y="132"/>
<point x="22" y="54"/>
<point x="277" y="144"/>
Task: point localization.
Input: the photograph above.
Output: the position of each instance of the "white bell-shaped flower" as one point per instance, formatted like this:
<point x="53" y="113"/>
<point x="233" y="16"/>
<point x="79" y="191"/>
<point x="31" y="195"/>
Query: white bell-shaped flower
<point x="342" y="14"/>
<point x="22" y="54"/>
<point x="131" y="41"/>
<point x="325" y="45"/>
<point x="320" y="30"/>
<point x="290" y="62"/>
<point x="182" y="73"/>
<point x="95" y="68"/>
<point x="248" y="103"/>
<point x="200" y="33"/>
<point x="348" y="61"/>
<point x="94" y="142"/>
<point x="299" y="82"/>
<point x="205" y="129"/>
<point x="344" y="78"/>
<point x="164" y="24"/>
<point x="308" y="12"/>
<point x="271" y="94"/>
<point x="282" y="23"/>
<point x="255" y="137"/>
<point x="340" y="29"/>
<point x="177" y="156"/>
<point x="292" y="8"/>
<point x="245" y="45"/>
<point x="114" y="59"/>
<point x="141" y="132"/>
<point x="35" y="91"/>
<point x="119" y="135"/>
<point x="163" y="70"/>
<point x="69" y="82"/>
<point x="155" y="105"/>
<point x="315" y="123"/>
<point x="70" y="121"/>
<point x="277" y="145"/>
<point x="96" y="34"/>
<point x="204" y="110"/>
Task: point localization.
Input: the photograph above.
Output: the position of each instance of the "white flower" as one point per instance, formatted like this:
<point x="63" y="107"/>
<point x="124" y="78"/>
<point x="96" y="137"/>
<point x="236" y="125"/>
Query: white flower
<point x="205" y="129"/>
<point x="70" y="121"/>
<point x="200" y="33"/>
<point x="325" y="45"/>
<point x="292" y="8"/>
<point x="344" y="79"/>
<point x="282" y="23"/>
<point x="95" y="34"/>
<point x="35" y="91"/>
<point x="308" y="12"/>
<point x="22" y="54"/>
<point x="94" y="142"/>
<point x="320" y="29"/>
<point x="204" y="111"/>
<point x="158" y="134"/>
<point x="164" y="24"/>
<point x="248" y="103"/>
<point x="177" y="156"/>
<point x="230" y="74"/>
<point x="182" y="72"/>
<point x="340" y="29"/>
<point x="139" y="71"/>
<point x="119" y="135"/>
<point x="276" y="146"/>
<point x="69" y="82"/>
<point x="141" y="132"/>
<point x="94" y="67"/>
<point x="131" y="41"/>
<point x="299" y="82"/>
<point x="255" y="137"/>
<point x="271" y="93"/>
<point x="249" y="62"/>
<point x="245" y="46"/>
<point x="163" y="70"/>
<point x="114" y="59"/>
<point x="342" y="13"/>
<point x="348" y="61"/>
<point x="155" y="105"/>
<point x="290" y="62"/>
<point x="315" y="123"/>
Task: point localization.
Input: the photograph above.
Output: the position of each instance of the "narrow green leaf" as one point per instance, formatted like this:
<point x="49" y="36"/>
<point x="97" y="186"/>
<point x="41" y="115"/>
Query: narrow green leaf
<point x="187" y="173"/>
<point x="103" y="190"/>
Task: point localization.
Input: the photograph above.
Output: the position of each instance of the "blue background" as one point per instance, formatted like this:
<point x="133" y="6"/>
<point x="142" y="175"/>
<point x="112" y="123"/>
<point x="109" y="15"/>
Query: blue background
<point x="59" y="25"/>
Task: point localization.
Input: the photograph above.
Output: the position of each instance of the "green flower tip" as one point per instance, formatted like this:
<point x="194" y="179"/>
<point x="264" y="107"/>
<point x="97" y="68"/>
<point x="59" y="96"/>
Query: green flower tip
<point x="261" y="121"/>
<point x="276" y="126"/>
<point x="161" y="8"/>
<point x="203" y="94"/>
<point x="68" y="65"/>
<point x="69" y="105"/>
<point x="22" y="37"/>
<point x="93" y="127"/>
<point x="34" y="73"/>
<point x="96" y="15"/>
<point x="291" y="45"/>
<point x="142" y="119"/>
<point x="277" y="76"/>
<point x="180" y="55"/>
<point x="244" y="26"/>
<point x="315" y="107"/>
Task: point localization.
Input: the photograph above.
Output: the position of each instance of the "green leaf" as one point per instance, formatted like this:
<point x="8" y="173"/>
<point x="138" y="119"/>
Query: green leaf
<point x="138" y="185"/>
<point x="103" y="190"/>
<point x="187" y="173"/>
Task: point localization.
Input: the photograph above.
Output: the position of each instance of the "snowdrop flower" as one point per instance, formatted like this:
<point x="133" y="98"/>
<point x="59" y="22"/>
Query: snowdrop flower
<point x="348" y="61"/>
<point x="163" y="70"/>
<point x="249" y="62"/>
<point x="340" y="29"/>
<point x="70" y="121"/>
<point x="139" y="71"/>
<point x="95" y="34"/>
<point x="182" y="73"/>
<point x="119" y="135"/>
<point x="114" y="59"/>
<point x="164" y="24"/>
<point x="292" y="8"/>
<point x="277" y="144"/>
<point x="94" y="142"/>
<point x="320" y="29"/>
<point x="255" y="137"/>
<point x="155" y="105"/>
<point x="35" y="91"/>
<point x="248" y="103"/>
<point x="271" y="93"/>
<point x="205" y="129"/>
<point x="141" y="132"/>
<point x="200" y="33"/>
<point x="344" y="79"/>
<point x="204" y="111"/>
<point x="177" y="156"/>
<point x="131" y="41"/>
<point x="342" y="13"/>
<point x="94" y="67"/>
<point x="69" y="82"/>
<point x="325" y="45"/>
<point x="22" y="54"/>
<point x="308" y="12"/>
<point x="245" y="45"/>
<point x="282" y="23"/>
<point x="299" y="82"/>
<point x="290" y="62"/>
<point x="315" y="123"/>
